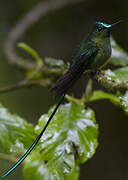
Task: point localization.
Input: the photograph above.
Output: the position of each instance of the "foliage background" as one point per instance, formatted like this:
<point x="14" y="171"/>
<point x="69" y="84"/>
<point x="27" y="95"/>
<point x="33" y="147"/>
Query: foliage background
<point x="56" y="35"/>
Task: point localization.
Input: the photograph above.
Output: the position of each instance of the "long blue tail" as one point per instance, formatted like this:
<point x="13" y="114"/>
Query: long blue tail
<point x="12" y="168"/>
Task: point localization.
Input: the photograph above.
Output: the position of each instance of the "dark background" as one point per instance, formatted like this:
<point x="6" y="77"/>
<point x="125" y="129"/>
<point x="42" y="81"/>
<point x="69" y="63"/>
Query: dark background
<point x="56" y="35"/>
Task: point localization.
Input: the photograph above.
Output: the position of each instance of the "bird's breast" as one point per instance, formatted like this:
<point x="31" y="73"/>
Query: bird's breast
<point x="102" y="57"/>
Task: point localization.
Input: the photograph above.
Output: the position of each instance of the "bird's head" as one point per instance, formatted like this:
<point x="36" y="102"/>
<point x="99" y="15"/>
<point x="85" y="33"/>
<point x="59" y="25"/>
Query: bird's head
<point x="102" y="30"/>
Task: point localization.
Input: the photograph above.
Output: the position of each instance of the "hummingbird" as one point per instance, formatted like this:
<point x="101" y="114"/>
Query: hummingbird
<point x="93" y="53"/>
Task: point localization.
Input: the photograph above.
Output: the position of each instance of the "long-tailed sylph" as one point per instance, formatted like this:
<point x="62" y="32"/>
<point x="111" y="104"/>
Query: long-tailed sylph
<point x="92" y="54"/>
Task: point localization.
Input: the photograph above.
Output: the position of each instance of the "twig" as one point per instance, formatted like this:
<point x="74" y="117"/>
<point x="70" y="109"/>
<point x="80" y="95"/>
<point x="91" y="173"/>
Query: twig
<point x="14" y="87"/>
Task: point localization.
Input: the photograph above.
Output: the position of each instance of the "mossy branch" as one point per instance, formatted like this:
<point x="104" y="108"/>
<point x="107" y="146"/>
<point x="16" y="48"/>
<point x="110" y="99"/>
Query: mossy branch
<point x="110" y="84"/>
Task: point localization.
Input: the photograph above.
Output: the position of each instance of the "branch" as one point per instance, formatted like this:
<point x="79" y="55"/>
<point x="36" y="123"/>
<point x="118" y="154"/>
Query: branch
<point x="48" y="76"/>
<point x="13" y="87"/>
<point x="42" y="8"/>
<point x="8" y="157"/>
<point x="111" y="85"/>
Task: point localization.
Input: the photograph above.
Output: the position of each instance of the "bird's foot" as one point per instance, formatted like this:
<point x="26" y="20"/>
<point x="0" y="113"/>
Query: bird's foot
<point x="95" y="72"/>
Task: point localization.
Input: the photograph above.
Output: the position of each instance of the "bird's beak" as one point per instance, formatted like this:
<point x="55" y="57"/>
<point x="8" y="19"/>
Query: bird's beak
<point x="118" y="22"/>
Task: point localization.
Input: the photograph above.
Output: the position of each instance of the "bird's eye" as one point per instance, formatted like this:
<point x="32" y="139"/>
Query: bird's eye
<point x="100" y="29"/>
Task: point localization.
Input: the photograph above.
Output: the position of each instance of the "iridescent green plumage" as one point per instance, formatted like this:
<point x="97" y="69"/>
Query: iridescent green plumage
<point x="97" y="41"/>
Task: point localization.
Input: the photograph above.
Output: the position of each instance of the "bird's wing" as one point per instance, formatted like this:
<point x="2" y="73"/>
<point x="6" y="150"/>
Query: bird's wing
<point x="75" y="71"/>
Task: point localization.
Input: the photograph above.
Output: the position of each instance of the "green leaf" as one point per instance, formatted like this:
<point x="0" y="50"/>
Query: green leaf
<point x="119" y="56"/>
<point x="15" y="133"/>
<point x="119" y="100"/>
<point x="98" y="95"/>
<point x="118" y="76"/>
<point x="124" y="102"/>
<point x="54" y="62"/>
<point x="121" y="75"/>
<point x="70" y="139"/>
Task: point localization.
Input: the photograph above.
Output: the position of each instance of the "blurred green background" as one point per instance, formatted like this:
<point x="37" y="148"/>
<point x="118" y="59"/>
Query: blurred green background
<point x="56" y="35"/>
